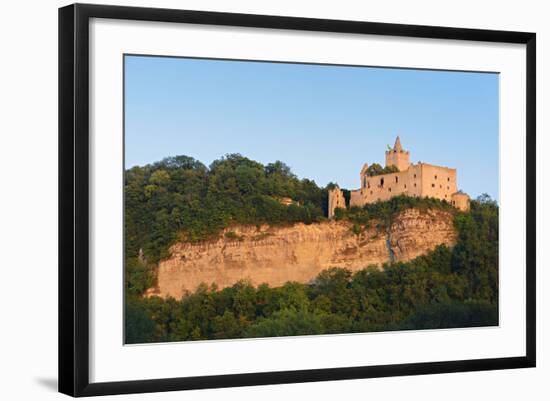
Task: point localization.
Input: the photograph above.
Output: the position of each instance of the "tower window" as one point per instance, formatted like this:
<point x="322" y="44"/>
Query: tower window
<point x="371" y="192"/>
<point x="415" y="184"/>
<point x="415" y="176"/>
<point x="396" y="179"/>
<point x="441" y="186"/>
<point x="381" y="182"/>
<point x="389" y="189"/>
<point x="435" y="177"/>
<point x="405" y="186"/>
<point x="433" y="185"/>
<point x="447" y="187"/>
<point x="448" y="179"/>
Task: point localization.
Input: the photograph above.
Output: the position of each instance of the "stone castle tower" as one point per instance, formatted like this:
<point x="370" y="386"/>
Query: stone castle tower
<point x="397" y="156"/>
<point x="419" y="180"/>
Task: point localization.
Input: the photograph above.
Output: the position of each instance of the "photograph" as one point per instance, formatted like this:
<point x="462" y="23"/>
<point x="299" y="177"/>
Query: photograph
<point x="273" y="199"/>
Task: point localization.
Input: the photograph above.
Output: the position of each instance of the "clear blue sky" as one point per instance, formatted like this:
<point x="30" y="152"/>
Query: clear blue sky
<point x="323" y="121"/>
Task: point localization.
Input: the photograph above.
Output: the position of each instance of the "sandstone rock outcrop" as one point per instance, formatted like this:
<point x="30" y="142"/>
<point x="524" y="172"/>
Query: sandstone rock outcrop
<point x="275" y="255"/>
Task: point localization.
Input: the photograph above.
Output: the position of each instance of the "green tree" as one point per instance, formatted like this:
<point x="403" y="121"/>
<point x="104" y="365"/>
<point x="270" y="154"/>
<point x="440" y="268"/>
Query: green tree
<point x="139" y="328"/>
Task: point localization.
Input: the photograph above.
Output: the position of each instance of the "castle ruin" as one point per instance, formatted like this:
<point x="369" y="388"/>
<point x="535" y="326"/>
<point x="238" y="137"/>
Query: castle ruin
<point x="419" y="180"/>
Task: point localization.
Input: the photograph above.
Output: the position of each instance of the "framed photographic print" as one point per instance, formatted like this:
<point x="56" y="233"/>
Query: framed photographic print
<point x="250" y="199"/>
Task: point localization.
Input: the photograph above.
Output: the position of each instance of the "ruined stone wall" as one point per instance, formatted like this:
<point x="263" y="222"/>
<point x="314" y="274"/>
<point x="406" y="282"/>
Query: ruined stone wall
<point x="380" y="188"/>
<point x="335" y="200"/>
<point x="461" y="201"/>
<point x="422" y="180"/>
<point x="383" y="187"/>
<point x="438" y="182"/>
<point x="415" y="180"/>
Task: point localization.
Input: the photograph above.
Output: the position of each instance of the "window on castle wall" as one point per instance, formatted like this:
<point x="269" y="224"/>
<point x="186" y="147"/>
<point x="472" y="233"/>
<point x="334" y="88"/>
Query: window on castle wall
<point x="441" y="186"/>
<point x="415" y="176"/>
<point x="448" y="179"/>
<point x="396" y="179"/>
<point x="371" y="192"/>
<point x="405" y="186"/>
<point x="381" y="182"/>
<point x="435" y="177"/>
<point x="389" y="189"/>
<point x="433" y="185"/>
<point x="415" y="184"/>
<point x="447" y="187"/>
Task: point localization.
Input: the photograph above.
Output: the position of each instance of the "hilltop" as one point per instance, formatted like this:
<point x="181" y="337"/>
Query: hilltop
<point x="239" y="249"/>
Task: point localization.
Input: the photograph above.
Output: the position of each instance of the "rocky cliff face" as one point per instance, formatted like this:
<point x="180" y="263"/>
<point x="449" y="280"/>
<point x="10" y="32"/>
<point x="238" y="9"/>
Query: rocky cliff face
<point x="275" y="255"/>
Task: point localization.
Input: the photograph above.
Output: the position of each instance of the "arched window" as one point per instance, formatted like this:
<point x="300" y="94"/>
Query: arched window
<point x="381" y="182"/>
<point x="396" y="179"/>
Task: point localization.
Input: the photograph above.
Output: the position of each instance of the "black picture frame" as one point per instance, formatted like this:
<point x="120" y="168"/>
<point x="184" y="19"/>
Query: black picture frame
<point x="74" y="198"/>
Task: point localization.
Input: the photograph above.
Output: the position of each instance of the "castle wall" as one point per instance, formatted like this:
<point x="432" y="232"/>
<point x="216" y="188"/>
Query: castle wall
<point x="383" y="187"/>
<point x="438" y="182"/>
<point x="422" y="180"/>
<point x="356" y="198"/>
<point x="416" y="180"/>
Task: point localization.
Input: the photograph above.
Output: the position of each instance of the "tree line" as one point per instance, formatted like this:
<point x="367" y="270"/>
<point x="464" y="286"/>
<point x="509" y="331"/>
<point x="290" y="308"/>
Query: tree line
<point x="179" y="198"/>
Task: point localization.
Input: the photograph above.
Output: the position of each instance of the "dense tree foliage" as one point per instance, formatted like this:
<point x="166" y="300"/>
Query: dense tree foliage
<point x="377" y="169"/>
<point x="181" y="199"/>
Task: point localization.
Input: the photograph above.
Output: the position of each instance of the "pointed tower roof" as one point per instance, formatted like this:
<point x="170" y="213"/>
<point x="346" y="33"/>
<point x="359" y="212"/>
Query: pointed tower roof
<point x="397" y="146"/>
